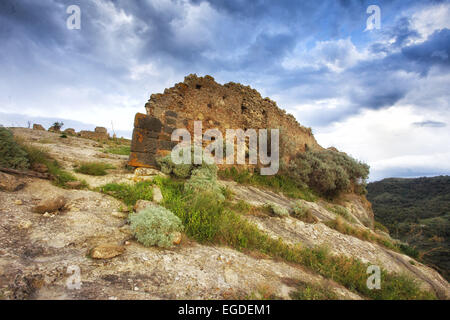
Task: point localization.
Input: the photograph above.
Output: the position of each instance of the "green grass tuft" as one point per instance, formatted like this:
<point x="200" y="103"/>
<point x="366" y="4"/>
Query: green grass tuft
<point x="94" y="168"/>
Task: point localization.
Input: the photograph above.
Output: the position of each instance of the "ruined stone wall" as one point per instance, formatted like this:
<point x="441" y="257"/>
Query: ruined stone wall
<point x="228" y="106"/>
<point x="100" y="133"/>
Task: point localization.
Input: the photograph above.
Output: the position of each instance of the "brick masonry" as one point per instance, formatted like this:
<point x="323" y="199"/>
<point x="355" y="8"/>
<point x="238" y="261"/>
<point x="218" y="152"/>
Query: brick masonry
<point x="228" y="106"/>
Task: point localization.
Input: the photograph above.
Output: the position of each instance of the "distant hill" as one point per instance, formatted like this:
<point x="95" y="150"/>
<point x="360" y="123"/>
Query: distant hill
<point x="417" y="211"/>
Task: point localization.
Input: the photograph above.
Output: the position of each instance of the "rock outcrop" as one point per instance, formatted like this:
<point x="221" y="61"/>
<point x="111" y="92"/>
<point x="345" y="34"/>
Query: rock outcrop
<point x="37" y="126"/>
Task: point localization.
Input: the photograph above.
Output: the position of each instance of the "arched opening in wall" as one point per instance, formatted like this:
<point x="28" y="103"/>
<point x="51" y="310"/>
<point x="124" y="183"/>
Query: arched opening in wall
<point x="198" y="86"/>
<point x="209" y="105"/>
<point x="243" y="109"/>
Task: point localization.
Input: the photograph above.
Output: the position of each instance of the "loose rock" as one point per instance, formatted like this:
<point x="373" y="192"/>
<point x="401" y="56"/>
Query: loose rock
<point x="50" y="205"/>
<point x="107" y="251"/>
<point x="10" y="183"/>
<point x="157" y="195"/>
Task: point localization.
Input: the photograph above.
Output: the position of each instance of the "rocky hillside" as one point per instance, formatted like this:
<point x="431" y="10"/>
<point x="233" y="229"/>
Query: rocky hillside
<point x="417" y="211"/>
<point x="267" y="245"/>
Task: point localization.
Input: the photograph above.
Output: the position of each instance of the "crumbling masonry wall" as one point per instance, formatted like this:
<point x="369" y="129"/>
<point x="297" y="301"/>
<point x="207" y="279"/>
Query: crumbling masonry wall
<point x="228" y="106"/>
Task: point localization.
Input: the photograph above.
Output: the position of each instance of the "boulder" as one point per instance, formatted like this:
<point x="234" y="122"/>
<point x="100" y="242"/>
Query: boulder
<point x="157" y="195"/>
<point x="38" y="127"/>
<point x="50" y="205"/>
<point x="101" y="130"/>
<point x="106" y="251"/>
<point x="10" y="183"/>
<point x="70" y="131"/>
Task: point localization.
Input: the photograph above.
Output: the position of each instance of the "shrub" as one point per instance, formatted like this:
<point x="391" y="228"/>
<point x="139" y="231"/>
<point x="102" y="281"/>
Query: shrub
<point x="342" y="211"/>
<point x="381" y="227"/>
<point x="12" y="154"/>
<point x="155" y="226"/>
<point x="328" y="172"/>
<point x="94" y="168"/>
<point x="182" y="170"/>
<point x="308" y="291"/>
<point x="204" y="179"/>
<point x="410" y="251"/>
<point x="301" y="212"/>
<point x="277" y="210"/>
<point x="37" y="155"/>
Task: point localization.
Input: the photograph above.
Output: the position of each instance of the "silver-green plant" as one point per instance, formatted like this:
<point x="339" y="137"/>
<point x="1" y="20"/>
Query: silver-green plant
<point x="278" y="210"/>
<point x="155" y="226"/>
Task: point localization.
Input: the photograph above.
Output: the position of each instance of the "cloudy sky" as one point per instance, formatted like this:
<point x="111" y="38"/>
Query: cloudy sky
<point x="381" y="95"/>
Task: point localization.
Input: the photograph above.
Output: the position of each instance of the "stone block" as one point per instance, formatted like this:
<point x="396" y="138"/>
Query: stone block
<point x="143" y="121"/>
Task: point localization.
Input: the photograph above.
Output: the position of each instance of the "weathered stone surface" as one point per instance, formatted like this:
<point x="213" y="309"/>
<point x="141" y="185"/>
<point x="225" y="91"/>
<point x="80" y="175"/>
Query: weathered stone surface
<point x="170" y="113"/>
<point x="101" y="130"/>
<point x="37" y="126"/>
<point x="142" y="159"/>
<point x="9" y="182"/>
<point x="166" y="145"/>
<point x="149" y="123"/>
<point x="50" y="205"/>
<point x="95" y="135"/>
<point x="146" y="172"/>
<point x="107" y="251"/>
<point x="157" y="195"/>
<point x="70" y="131"/>
<point x="144" y="141"/>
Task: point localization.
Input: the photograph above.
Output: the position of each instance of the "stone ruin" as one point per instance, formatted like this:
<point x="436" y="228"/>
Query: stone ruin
<point x="228" y="106"/>
<point x="99" y="133"/>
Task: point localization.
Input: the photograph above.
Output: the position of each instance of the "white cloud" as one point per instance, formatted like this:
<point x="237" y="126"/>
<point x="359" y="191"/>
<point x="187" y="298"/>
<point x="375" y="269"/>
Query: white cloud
<point x="388" y="140"/>
<point x="337" y="55"/>
<point x="430" y="19"/>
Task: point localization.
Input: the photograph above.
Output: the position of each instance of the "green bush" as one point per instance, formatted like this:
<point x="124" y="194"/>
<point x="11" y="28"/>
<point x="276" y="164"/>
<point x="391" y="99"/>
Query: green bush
<point x="277" y="210"/>
<point x="205" y="180"/>
<point x="12" y="154"/>
<point x="94" y="168"/>
<point x="37" y="155"/>
<point x="308" y="291"/>
<point x="342" y="211"/>
<point x="328" y="172"/>
<point x="155" y="226"/>
<point x="182" y="170"/>
<point x="303" y="213"/>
